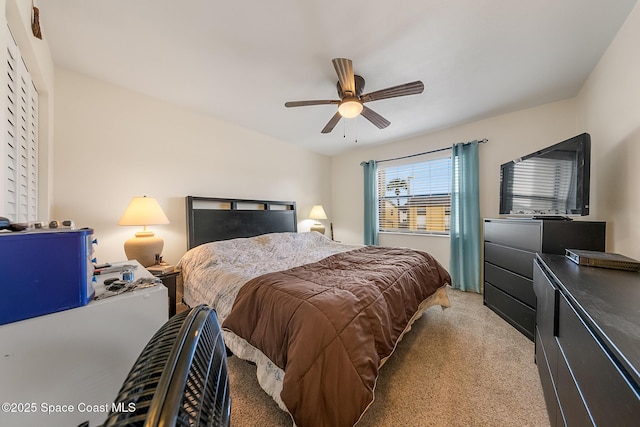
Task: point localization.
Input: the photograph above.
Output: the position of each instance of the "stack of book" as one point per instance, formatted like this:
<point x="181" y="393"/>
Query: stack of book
<point x="602" y="259"/>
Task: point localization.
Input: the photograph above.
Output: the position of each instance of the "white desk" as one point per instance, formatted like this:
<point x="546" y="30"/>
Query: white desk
<point x="77" y="357"/>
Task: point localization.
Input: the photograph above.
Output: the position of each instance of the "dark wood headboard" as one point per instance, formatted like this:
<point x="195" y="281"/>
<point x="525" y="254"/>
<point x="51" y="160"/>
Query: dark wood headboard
<point x="212" y="219"/>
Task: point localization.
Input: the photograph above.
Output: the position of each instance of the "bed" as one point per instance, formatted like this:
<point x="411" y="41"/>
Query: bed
<point x="318" y="318"/>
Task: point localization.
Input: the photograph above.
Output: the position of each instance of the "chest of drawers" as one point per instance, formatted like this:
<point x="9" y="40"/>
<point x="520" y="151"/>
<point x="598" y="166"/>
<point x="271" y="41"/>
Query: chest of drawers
<point x="510" y="246"/>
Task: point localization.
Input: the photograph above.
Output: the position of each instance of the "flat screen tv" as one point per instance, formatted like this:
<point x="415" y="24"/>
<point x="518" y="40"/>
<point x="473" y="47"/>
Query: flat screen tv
<point x="553" y="182"/>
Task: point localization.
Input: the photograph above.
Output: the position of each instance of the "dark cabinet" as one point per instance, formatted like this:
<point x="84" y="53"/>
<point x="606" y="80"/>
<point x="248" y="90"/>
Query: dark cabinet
<point x="587" y="345"/>
<point x="169" y="279"/>
<point x="510" y="246"/>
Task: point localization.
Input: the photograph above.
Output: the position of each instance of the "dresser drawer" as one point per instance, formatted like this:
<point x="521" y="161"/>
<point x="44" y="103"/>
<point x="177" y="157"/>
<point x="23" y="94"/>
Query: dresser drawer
<point x="547" y="296"/>
<point x="547" y="381"/>
<point x="519" y="315"/>
<point x="511" y="283"/>
<point x="516" y="260"/>
<point x="573" y="408"/>
<point x="524" y="234"/>
<point x="612" y="400"/>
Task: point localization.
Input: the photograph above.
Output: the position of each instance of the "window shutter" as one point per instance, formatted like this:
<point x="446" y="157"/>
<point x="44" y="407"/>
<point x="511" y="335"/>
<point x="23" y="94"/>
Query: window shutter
<point x="20" y="157"/>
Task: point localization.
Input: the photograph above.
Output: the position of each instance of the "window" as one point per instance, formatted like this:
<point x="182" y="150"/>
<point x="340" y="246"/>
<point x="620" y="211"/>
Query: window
<point x="415" y="197"/>
<point x="19" y="162"/>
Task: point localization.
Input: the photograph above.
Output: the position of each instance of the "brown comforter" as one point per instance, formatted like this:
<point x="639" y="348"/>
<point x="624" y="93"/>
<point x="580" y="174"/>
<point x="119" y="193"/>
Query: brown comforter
<point x="329" y="325"/>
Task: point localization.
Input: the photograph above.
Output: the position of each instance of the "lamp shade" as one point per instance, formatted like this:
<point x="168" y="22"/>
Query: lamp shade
<point x="143" y="211"/>
<point x="317" y="212"/>
<point x="145" y="246"/>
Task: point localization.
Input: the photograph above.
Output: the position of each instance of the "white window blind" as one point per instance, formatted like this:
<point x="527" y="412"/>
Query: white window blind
<point x="415" y="197"/>
<point x="20" y="146"/>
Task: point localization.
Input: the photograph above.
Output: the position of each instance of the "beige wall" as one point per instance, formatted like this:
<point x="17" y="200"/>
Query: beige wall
<point x="609" y="109"/>
<point x="510" y="136"/>
<point x="113" y="144"/>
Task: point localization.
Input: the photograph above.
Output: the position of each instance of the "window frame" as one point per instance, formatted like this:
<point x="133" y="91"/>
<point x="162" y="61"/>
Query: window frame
<point x="430" y="212"/>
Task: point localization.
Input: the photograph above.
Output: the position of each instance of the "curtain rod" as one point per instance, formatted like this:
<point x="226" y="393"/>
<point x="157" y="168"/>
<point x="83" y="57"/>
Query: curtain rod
<point x="481" y="141"/>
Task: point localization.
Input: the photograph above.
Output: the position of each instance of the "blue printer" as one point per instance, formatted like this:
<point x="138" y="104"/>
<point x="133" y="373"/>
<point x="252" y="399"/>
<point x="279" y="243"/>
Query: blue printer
<point x="44" y="271"/>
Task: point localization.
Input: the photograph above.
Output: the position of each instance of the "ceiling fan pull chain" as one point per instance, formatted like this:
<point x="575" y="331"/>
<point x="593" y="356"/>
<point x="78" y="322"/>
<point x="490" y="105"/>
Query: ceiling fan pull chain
<point x="356" y="121"/>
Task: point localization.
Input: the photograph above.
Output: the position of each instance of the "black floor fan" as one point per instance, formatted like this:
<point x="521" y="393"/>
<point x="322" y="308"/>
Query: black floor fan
<point x="180" y="378"/>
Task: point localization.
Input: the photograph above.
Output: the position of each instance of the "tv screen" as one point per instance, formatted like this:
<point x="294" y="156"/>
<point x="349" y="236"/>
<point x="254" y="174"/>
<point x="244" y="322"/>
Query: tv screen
<point x="550" y="182"/>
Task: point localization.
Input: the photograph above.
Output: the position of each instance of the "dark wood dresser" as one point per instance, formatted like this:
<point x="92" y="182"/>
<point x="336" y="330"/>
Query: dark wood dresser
<point x="588" y="342"/>
<point x="510" y="246"/>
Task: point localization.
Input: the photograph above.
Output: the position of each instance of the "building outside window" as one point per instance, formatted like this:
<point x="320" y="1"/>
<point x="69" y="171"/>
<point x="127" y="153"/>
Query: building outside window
<point x="415" y="197"/>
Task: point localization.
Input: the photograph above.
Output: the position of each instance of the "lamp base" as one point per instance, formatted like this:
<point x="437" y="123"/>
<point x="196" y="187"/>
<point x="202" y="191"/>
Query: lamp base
<point x="144" y="248"/>
<point x="318" y="227"/>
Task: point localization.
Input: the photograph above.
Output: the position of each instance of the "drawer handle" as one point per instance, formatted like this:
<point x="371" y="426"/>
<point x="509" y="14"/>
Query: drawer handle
<point x="556" y="299"/>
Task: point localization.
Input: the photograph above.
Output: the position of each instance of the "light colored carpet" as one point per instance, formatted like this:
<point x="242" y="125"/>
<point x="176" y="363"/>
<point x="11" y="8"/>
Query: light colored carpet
<point x="463" y="366"/>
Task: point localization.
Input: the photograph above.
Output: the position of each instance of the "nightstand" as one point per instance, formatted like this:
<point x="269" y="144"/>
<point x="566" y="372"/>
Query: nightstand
<point x="169" y="279"/>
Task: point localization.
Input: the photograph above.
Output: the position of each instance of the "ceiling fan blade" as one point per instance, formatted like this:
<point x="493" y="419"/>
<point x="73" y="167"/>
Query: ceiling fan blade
<point x="374" y="118"/>
<point x="344" y="70"/>
<point x="305" y="103"/>
<point x="412" y="88"/>
<point x="332" y="123"/>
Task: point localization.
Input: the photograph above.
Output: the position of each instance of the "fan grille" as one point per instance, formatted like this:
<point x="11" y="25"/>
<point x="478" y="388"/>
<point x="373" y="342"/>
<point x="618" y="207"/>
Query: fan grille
<point x="180" y="378"/>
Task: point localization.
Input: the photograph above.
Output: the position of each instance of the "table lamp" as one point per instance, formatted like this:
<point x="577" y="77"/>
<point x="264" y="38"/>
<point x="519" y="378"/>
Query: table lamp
<point x="317" y="213"/>
<point x="145" y="247"/>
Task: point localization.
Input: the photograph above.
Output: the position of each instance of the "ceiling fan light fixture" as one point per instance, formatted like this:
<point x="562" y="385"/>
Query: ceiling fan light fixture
<point x="350" y="108"/>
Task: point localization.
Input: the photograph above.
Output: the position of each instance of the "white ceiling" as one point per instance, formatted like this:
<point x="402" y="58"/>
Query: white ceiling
<point x="241" y="60"/>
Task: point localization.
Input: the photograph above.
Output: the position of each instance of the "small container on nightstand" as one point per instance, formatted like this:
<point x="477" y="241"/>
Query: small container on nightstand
<point x="168" y="274"/>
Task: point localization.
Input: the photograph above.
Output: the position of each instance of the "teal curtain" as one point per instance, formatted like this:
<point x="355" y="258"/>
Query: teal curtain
<point x="370" y="211"/>
<point x="464" y="265"/>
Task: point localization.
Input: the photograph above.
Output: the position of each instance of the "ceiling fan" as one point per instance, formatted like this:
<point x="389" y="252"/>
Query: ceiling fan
<point x="351" y="102"/>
